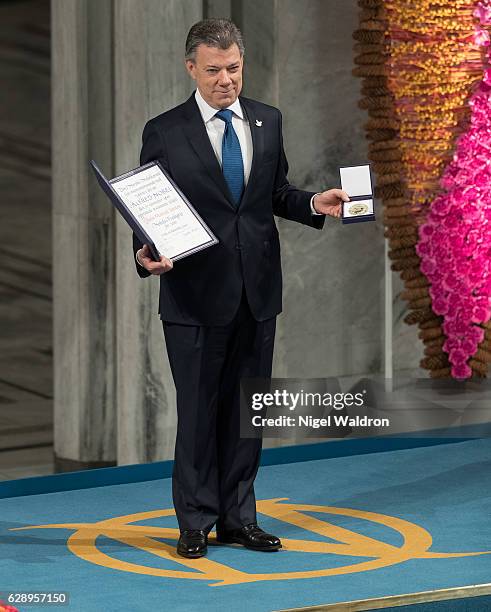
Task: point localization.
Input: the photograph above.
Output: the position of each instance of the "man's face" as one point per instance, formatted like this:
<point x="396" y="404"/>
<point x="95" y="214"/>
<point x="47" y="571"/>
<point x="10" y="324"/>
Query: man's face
<point x="218" y="74"/>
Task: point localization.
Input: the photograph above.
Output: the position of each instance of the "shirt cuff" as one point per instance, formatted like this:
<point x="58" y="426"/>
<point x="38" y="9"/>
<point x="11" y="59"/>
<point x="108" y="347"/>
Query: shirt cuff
<point x="138" y="261"/>
<point x="314" y="212"/>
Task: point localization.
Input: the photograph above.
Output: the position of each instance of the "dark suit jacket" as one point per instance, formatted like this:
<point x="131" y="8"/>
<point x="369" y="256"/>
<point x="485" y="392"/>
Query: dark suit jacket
<point x="205" y="288"/>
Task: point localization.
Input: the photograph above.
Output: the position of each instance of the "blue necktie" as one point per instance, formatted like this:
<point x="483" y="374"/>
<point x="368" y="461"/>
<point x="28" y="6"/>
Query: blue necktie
<point x="232" y="165"/>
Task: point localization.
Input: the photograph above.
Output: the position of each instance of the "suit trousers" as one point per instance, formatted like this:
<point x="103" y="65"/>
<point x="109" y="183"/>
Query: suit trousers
<point x="214" y="468"/>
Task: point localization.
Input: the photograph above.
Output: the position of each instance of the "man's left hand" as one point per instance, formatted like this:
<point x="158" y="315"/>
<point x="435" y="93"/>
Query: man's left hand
<point x="329" y="202"/>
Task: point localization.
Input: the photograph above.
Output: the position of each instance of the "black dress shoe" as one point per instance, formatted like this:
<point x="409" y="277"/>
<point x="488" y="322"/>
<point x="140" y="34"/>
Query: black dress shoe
<point x="250" y="536"/>
<point x="192" y="543"/>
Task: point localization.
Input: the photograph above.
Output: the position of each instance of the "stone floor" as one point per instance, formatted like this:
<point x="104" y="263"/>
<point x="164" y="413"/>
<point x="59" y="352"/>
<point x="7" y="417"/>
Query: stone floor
<point x="26" y="405"/>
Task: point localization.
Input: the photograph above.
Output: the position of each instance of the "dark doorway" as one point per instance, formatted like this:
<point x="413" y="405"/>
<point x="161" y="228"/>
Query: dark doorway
<point x="26" y="364"/>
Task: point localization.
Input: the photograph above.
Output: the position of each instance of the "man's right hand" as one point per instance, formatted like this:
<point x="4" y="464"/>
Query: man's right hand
<point x="144" y="258"/>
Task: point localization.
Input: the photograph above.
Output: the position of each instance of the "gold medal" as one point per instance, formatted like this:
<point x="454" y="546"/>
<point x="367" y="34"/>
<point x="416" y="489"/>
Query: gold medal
<point x="358" y="209"/>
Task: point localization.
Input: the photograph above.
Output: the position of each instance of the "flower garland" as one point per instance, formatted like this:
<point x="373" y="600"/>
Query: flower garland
<point x="455" y="240"/>
<point x="420" y="62"/>
<point x="431" y="69"/>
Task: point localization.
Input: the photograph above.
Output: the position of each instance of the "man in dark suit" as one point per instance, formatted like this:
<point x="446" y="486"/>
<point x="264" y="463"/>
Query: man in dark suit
<point x="218" y="307"/>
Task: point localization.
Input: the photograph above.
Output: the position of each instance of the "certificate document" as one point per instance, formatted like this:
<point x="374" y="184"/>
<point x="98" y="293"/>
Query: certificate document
<point x="157" y="211"/>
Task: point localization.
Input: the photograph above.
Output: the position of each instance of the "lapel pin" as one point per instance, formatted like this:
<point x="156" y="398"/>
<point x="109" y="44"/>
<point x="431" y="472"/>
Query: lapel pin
<point x="259" y="123"/>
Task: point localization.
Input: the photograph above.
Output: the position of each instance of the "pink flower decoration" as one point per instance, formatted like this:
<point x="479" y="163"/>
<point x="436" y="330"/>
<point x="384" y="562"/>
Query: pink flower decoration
<point x="461" y="371"/>
<point x="487" y="77"/>
<point x="440" y="306"/>
<point x="428" y="266"/>
<point x="441" y="206"/>
<point x="457" y="356"/>
<point x="477" y="333"/>
<point x="450" y="344"/>
<point x="450" y="222"/>
<point x="483" y="13"/>
<point x="481" y="38"/>
<point x="455" y="239"/>
<point x="480" y="314"/>
<point x="440" y="255"/>
<point x="450" y="282"/>
<point x="422" y="248"/>
<point x="469" y="346"/>
<point x="426" y="231"/>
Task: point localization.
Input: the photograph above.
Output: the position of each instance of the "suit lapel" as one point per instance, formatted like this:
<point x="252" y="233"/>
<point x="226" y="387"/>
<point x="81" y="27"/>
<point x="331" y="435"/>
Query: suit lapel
<point x="195" y="131"/>
<point x="257" y="135"/>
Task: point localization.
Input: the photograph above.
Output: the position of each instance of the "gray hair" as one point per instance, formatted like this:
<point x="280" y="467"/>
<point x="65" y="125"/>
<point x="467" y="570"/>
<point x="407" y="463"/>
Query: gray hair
<point x="220" y="33"/>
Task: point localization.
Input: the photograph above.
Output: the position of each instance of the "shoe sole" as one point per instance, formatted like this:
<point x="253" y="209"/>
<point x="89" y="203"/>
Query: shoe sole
<point x="191" y="556"/>
<point x="259" y="548"/>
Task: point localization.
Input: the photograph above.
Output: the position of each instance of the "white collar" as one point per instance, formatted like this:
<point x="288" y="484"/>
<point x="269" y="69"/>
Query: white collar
<point x="208" y="112"/>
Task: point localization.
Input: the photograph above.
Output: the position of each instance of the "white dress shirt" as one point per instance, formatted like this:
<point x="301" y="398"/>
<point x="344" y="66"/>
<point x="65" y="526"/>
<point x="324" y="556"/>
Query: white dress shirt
<point x="215" y="127"/>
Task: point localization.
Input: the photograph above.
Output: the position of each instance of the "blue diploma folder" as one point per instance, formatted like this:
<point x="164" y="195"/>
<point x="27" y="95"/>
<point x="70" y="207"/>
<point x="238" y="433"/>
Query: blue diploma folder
<point x="134" y="224"/>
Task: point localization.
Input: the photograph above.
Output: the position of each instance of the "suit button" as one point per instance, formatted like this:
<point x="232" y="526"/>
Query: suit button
<point x="238" y="247"/>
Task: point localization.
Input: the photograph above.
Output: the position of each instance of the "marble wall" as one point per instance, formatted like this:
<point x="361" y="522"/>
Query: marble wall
<point x="332" y="322"/>
<point x="114" y="395"/>
<point x="83" y="235"/>
<point x="150" y="78"/>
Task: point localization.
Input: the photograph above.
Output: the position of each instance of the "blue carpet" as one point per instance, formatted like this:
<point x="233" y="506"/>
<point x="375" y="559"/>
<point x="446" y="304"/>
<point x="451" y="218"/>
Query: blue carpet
<point x="353" y="528"/>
